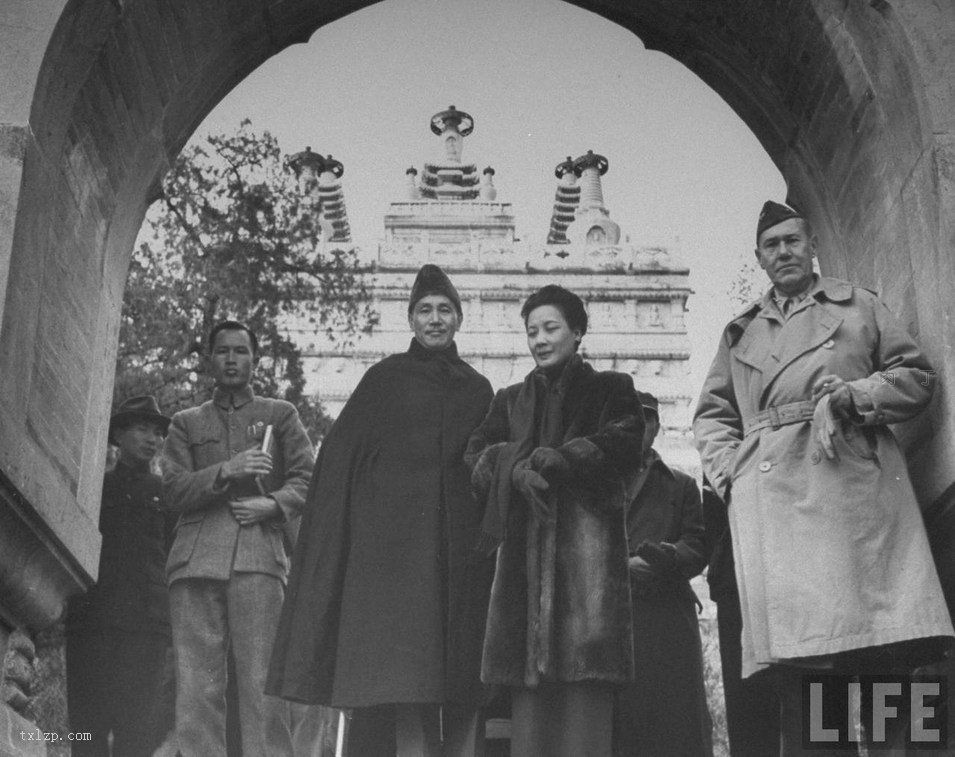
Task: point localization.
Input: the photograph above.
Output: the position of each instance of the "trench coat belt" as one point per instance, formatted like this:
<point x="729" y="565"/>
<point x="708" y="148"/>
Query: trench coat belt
<point x="780" y="415"/>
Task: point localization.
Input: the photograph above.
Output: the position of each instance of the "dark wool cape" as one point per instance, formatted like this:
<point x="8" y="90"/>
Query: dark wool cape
<point x="560" y="603"/>
<point x="387" y="598"/>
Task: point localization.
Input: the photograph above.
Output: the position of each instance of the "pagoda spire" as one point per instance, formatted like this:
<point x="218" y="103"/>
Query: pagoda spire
<point x="319" y="181"/>
<point x="450" y="211"/>
<point x="412" y="184"/>
<point x="566" y="201"/>
<point x="307" y="167"/>
<point x="590" y="168"/>
<point x="592" y="224"/>
<point x="488" y="190"/>
<point x="452" y="125"/>
<point x="449" y="178"/>
<point x="335" y="224"/>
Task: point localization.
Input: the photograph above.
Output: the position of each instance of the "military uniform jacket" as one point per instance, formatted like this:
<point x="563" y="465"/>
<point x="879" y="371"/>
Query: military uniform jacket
<point x="209" y="542"/>
<point x="830" y="555"/>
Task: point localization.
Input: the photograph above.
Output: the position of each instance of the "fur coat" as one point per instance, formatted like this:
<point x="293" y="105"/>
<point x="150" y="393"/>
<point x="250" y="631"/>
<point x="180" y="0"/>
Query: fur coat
<point x="560" y="601"/>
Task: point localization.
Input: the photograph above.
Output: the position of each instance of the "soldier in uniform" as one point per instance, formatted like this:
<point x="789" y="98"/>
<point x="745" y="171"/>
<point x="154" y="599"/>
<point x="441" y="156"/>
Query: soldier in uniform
<point x="237" y="495"/>
<point x="118" y="633"/>
<point x="831" y="558"/>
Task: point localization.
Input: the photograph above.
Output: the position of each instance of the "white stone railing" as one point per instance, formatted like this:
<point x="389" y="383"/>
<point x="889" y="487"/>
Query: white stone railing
<point x="497" y="255"/>
<point x="448" y="208"/>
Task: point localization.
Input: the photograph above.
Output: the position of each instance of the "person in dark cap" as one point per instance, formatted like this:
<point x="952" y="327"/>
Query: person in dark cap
<point x="118" y="633"/>
<point x="831" y="558"/>
<point x="387" y="598"/>
<point x="664" y="710"/>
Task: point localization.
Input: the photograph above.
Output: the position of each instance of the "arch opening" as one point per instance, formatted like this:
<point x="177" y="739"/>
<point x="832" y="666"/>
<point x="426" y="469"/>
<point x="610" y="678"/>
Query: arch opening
<point x="845" y="98"/>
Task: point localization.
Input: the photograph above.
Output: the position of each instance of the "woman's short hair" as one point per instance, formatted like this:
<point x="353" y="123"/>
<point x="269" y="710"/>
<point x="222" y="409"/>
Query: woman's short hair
<point x="568" y="303"/>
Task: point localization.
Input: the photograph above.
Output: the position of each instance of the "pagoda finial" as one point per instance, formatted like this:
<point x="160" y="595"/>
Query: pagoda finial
<point x="462" y="121"/>
<point x="452" y="125"/>
<point x="307" y="166"/>
<point x="412" y="184"/>
<point x="488" y="190"/>
<point x="565" y="167"/>
<point x="334" y="167"/>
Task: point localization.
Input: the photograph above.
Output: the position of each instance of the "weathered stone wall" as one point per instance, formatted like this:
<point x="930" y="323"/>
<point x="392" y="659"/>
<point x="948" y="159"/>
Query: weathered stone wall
<point x="854" y="100"/>
<point x="855" y="103"/>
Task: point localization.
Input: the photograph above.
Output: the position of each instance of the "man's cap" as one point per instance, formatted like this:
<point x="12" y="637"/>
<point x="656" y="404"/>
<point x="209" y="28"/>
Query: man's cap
<point x="773" y="213"/>
<point x="649" y="402"/>
<point x="432" y="280"/>
<point x="135" y="409"/>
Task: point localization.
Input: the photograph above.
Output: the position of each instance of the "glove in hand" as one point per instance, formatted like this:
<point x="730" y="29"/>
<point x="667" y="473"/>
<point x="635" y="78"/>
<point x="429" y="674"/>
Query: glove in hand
<point x="550" y="464"/>
<point x="640" y="570"/>
<point x="826" y="426"/>
<point x="659" y="556"/>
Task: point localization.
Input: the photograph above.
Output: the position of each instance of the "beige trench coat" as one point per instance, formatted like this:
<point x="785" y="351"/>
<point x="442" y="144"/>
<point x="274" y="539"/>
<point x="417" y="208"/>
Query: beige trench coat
<point x="831" y="555"/>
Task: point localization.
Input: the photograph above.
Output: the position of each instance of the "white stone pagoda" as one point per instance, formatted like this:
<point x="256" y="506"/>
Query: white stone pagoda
<point x="635" y="295"/>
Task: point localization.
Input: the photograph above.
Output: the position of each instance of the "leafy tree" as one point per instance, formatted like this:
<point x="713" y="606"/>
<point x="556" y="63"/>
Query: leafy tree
<point x="231" y="236"/>
<point x="748" y="285"/>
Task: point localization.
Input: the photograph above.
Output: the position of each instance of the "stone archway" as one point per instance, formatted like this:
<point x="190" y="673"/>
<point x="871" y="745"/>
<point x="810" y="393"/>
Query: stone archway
<point x="852" y="99"/>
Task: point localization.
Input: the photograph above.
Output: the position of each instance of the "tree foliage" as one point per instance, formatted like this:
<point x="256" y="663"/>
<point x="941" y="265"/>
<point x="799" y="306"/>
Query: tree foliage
<point x="231" y="236"/>
<point x="748" y="285"/>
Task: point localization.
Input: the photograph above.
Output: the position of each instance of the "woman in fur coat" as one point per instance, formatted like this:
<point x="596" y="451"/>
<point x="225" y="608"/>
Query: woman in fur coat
<point x="552" y="463"/>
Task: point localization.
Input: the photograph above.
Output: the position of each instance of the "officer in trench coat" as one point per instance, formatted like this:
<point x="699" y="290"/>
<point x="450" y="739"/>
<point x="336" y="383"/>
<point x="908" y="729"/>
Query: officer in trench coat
<point x="832" y="560"/>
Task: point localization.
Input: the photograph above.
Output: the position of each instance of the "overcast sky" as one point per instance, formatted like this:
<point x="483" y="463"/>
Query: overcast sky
<point x="542" y="79"/>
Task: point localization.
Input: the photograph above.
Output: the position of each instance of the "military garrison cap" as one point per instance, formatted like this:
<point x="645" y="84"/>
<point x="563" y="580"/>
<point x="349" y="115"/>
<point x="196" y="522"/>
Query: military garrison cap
<point x="773" y="213"/>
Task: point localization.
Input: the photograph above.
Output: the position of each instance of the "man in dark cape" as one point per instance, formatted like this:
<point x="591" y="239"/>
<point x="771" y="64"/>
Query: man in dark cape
<point x="388" y="597"/>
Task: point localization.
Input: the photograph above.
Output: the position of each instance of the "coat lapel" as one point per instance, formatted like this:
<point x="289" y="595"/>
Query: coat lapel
<point x="803" y="332"/>
<point x="754" y="349"/>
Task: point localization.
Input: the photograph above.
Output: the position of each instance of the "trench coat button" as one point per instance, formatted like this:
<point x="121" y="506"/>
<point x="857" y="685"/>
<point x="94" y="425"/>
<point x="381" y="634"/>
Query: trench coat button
<point x="815" y="457"/>
<point x="765" y="465"/>
<point x="828" y="344"/>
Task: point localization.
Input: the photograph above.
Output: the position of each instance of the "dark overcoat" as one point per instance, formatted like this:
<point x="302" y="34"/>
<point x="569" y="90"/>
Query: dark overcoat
<point x="130" y="593"/>
<point x="387" y="597"/>
<point x="664" y="710"/>
<point x="564" y="617"/>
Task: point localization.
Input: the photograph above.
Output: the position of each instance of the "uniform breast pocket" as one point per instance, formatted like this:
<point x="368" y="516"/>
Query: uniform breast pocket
<point x="205" y="449"/>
